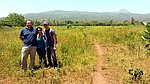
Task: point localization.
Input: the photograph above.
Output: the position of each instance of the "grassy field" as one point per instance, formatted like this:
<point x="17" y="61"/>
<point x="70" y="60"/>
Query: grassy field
<point x="123" y="46"/>
<point x="124" y="49"/>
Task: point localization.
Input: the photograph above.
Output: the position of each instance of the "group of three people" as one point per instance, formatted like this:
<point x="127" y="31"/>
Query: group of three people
<point x="35" y="40"/>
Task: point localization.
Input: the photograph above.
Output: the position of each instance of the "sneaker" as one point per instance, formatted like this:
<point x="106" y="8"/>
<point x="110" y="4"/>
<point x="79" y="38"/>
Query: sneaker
<point x="57" y="69"/>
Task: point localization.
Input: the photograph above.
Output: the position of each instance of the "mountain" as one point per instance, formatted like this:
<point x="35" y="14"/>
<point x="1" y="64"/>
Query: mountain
<point x="62" y="15"/>
<point x="122" y="11"/>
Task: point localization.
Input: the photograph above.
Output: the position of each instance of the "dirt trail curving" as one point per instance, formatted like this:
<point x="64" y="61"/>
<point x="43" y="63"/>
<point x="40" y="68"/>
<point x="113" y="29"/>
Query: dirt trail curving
<point x="98" y="77"/>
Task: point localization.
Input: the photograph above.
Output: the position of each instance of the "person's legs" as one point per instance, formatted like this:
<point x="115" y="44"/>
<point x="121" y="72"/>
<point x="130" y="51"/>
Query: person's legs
<point x="49" y="56"/>
<point x="43" y="57"/>
<point x="40" y="54"/>
<point x="54" y="57"/>
<point x="24" y="56"/>
<point x="32" y="57"/>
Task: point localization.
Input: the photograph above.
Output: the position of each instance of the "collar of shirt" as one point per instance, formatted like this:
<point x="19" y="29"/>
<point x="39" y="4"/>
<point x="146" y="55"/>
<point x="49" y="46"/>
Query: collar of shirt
<point x="29" y="28"/>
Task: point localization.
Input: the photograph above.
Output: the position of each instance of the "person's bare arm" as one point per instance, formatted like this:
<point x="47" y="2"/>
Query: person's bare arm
<point x="54" y="37"/>
<point x="21" y="38"/>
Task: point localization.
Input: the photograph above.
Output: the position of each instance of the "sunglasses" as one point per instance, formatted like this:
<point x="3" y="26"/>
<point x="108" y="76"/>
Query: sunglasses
<point x="45" y="24"/>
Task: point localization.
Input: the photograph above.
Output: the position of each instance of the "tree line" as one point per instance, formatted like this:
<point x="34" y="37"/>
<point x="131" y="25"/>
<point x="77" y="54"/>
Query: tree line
<point x="14" y="19"/>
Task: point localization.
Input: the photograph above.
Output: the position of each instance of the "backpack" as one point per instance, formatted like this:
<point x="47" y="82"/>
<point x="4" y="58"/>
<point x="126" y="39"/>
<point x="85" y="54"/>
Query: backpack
<point x="50" y="33"/>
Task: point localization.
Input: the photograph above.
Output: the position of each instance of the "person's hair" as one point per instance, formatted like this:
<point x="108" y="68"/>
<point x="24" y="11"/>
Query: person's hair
<point x="28" y="20"/>
<point x="39" y="28"/>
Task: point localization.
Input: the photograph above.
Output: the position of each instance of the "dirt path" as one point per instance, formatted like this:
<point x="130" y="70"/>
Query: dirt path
<point x="98" y="77"/>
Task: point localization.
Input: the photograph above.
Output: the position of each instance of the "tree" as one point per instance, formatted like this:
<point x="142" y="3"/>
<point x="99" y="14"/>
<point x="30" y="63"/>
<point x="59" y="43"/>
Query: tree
<point x="132" y="21"/>
<point x="110" y="22"/>
<point x="36" y="23"/>
<point x="94" y="23"/>
<point x="14" y="19"/>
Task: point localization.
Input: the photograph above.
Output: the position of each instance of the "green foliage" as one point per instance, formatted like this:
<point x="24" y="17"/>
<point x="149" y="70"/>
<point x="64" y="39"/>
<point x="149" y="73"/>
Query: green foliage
<point x="132" y="21"/>
<point x="148" y="27"/>
<point x="146" y="36"/>
<point x="136" y="74"/>
<point x="36" y="23"/>
<point x="69" y="26"/>
<point x="69" y="23"/>
<point x="13" y="19"/>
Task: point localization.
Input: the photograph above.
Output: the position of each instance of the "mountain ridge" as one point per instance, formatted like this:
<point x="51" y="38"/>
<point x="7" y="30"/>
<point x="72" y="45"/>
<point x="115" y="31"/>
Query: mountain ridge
<point x="61" y="15"/>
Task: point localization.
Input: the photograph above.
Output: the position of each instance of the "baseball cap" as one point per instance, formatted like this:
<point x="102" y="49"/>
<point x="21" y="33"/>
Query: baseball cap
<point x="46" y="23"/>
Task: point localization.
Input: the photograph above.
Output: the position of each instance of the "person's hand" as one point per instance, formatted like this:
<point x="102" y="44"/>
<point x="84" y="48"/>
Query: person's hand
<point x="54" y="48"/>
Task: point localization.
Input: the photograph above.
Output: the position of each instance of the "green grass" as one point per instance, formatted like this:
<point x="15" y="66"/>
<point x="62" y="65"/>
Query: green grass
<point x="123" y="46"/>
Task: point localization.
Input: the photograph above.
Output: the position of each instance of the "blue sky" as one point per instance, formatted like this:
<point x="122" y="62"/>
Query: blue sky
<point x="35" y="6"/>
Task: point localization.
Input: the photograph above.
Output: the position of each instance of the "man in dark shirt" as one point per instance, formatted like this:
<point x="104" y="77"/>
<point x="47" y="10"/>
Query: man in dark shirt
<point x="28" y="36"/>
<point x="50" y="37"/>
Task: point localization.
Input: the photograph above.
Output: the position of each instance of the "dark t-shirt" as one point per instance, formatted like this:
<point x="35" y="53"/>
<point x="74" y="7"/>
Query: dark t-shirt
<point x="40" y="42"/>
<point x="49" y="41"/>
<point x="29" y="36"/>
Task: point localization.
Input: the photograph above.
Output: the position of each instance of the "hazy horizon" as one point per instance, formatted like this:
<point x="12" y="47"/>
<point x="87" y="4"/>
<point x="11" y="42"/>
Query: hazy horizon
<point x="34" y="6"/>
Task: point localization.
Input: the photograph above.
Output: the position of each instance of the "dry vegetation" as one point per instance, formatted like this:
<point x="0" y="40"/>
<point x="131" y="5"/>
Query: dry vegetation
<point x="123" y="46"/>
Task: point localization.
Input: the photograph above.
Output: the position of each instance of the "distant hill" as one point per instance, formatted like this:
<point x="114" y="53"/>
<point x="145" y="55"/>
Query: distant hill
<point x="61" y="15"/>
<point x="122" y="11"/>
